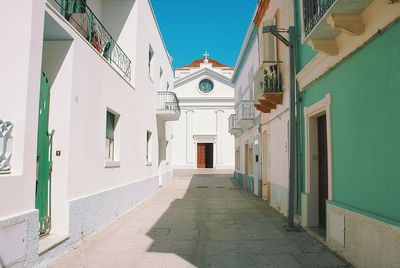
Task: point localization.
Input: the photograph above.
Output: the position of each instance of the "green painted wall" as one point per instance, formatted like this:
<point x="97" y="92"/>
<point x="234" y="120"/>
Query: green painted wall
<point x="239" y="177"/>
<point x="365" y="91"/>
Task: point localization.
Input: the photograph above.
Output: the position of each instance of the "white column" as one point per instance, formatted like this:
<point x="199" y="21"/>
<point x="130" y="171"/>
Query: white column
<point x="189" y="139"/>
<point x="220" y="137"/>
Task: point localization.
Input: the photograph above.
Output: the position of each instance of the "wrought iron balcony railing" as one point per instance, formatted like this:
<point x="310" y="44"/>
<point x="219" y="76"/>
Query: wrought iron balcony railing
<point x="82" y="18"/>
<point x="313" y="11"/>
<point x="245" y="110"/>
<point x="268" y="87"/>
<point x="168" y="102"/>
<point x="245" y="114"/>
<point x="268" y="80"/>
<point x="5" y="146"/>
<point x="234" y="127"/>
<point x="232" y="122"/>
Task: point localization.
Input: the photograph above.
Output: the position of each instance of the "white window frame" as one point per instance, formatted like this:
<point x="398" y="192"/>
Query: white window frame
<point x="112" y="145"/>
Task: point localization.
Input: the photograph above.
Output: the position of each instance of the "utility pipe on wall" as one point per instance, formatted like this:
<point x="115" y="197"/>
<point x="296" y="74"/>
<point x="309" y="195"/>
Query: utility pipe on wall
<point x="291" y="44"/>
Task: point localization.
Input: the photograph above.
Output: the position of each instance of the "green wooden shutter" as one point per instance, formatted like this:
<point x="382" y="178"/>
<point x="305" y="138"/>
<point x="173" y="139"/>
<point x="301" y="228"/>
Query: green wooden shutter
<point x="110" y="125"/>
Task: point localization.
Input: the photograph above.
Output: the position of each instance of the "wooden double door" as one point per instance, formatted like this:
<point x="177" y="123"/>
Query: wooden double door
<point x="205" y="155"/>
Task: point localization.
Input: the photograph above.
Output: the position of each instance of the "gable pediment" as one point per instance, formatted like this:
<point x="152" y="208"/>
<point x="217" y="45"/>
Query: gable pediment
<point x="201" y="73"/>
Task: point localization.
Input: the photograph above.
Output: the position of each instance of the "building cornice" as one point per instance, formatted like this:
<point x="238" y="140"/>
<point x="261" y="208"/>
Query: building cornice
<point x="246" y="47"/>
<point x="378" y="17"/>
<point x="201" y="72"/>
<point x="161" y="36"/>
<point x="262" y="8"/>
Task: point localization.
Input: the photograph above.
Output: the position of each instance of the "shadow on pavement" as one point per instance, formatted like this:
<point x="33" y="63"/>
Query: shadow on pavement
<point x="217" y="224"/>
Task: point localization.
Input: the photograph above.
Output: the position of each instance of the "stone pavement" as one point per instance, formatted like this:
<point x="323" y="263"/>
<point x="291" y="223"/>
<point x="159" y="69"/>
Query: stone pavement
<point x="200" y="221"/>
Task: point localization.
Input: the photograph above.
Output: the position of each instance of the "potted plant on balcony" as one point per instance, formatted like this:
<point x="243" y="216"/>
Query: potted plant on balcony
<point x="78" y="17"/>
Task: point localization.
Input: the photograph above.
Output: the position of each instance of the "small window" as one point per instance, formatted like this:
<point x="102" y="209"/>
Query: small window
<point x="110" y="131"/>
<point x="151" y="61"/>
<point x="161" y="72"/>
<point x="167" y="86"/>
<point x="148" y="147"/>
<point x="206" y="86"/>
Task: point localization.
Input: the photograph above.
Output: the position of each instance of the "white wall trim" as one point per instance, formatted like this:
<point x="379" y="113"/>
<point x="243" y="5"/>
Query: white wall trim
<point x="205" y="139"/>
<point x="310" y="113"/>
<point x="203" y="73"/>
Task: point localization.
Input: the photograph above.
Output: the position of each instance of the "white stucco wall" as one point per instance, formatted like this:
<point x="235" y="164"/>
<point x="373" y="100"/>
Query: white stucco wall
<point x="19" y="85"/>
<point x="83" y="87"/>
<point x="244" y="90"/>
<point x="276" y="123"/>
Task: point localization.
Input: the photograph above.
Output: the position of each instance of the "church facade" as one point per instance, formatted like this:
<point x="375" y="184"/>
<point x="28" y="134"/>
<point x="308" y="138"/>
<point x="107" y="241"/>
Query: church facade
<point x="206" y="95"/>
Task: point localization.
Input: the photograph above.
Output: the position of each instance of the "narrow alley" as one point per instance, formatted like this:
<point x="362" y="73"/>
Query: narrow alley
<point x="200" y="220"/>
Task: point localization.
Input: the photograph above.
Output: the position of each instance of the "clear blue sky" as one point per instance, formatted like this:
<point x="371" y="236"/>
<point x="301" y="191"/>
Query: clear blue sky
<point x="189" y="27"/>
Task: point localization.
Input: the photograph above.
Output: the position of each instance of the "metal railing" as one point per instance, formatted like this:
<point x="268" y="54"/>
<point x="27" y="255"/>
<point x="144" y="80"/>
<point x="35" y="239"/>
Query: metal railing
<point x="5" y="146"/>
<point x="313" y="11"/>
<point x="167" y="101"/>
<point x="233" y="122"/>
<point x="82" y="18"/>
<point x="268" y="80"/>
<point x="245" y="110"/>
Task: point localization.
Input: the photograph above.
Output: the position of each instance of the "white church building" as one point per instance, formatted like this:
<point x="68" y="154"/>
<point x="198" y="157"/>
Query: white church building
<point x="200" y="137"/>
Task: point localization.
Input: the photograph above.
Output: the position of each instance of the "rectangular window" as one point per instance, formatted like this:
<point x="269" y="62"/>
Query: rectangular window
<point x="270" y="43"/>
<point x="167" y="86"/>
<point x="148" y="147"/>
<point x="151" y="62"/>
<point x="161" y="72"/>
<point x="110" y="131"/>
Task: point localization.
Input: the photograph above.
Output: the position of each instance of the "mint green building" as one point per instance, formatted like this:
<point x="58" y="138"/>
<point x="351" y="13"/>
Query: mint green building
<point x="348" y="55"/>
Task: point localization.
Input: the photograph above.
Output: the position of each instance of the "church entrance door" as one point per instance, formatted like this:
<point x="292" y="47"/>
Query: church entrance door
<point x="205" y="155"/>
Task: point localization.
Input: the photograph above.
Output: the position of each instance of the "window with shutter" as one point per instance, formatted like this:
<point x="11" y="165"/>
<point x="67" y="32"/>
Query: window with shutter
<point x="110" y="129"/>
<point x="148" y="147"/>
<point x="110" y="125"/>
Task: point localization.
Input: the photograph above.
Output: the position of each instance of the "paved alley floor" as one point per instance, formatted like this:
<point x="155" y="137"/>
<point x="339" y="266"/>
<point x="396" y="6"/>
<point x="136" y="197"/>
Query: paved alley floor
<point x="202" y="221"/>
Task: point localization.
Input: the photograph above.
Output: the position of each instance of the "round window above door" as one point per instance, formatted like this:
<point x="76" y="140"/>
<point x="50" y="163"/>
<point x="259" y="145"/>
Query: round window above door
<point x="206" y="86"/>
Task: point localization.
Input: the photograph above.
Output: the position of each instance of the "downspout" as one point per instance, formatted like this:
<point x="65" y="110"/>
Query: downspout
<point x="293" y="128"/>
<point x="299" y="112"/>
<point x="291" y="44"/>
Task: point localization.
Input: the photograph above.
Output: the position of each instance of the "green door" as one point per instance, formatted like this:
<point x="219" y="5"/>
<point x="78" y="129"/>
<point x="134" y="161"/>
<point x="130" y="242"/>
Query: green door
<point x="44" y="159"/>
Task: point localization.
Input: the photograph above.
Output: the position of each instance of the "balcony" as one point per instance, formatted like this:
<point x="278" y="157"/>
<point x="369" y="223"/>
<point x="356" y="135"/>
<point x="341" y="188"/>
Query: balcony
<point x="168" y="108"/>
<point x="245" y="114"/>
<point x="324" y="20"/>
<point x="83" y="19"/>
<point x="268" y="88"/>
<point x="234" y="128"/>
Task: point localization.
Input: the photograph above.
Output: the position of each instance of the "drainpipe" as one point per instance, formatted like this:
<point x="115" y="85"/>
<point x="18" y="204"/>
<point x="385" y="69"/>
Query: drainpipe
<point x="299" y="111"/>
<point x="291" y="44"/>
<point x="293" y="129"/>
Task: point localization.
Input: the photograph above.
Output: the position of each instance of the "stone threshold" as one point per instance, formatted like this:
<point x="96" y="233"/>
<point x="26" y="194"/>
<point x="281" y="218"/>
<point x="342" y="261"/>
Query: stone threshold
<point x="51" y="241"/>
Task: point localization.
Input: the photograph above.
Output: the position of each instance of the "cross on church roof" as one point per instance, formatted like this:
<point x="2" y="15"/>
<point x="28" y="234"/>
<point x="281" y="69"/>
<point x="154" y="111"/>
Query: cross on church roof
<point x="206" y="56"/>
